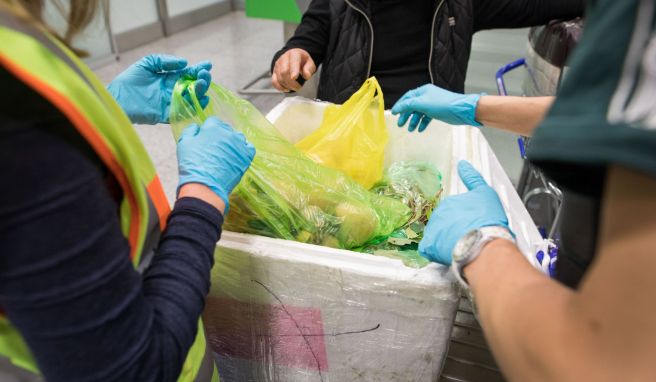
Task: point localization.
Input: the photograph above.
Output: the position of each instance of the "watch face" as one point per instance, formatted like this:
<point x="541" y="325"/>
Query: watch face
<point x="464" y="245"/>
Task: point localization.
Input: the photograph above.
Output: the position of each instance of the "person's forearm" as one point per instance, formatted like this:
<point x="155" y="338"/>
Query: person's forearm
<point x="204" y="193"/>
<point x="178" y="280"/>
<point x="529" y="320"/>
<point x="520" y="115"/>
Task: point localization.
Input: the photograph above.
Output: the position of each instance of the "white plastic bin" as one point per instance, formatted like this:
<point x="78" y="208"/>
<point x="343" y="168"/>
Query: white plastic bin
<point x="291" y="312"/>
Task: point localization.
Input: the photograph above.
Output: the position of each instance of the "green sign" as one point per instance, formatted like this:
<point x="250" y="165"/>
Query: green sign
<point x="285" y="10"/>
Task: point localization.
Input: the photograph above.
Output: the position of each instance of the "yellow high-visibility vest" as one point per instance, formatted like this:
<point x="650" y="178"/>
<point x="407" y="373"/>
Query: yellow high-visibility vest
<point x="41" y="62"/>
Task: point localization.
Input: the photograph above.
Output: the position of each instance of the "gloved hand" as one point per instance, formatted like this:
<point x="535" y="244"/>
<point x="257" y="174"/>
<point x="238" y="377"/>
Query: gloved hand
<point x="429" y="101"/>
<point x="214" y="155"/>
<point x="144" y="89"/>
<point x="457" y="215"/>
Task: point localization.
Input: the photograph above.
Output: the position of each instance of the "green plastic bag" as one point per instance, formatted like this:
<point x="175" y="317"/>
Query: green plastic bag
<point x="417" y="184"/>
<point x="284" y="194"/>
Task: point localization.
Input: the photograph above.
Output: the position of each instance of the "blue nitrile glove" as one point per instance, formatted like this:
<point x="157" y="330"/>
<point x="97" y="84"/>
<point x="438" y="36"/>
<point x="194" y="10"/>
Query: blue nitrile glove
<point x="431" y="102"/>
<point x="457" y="215"/>
<point x="214" y="155"/>
<point x="144" y="89"/>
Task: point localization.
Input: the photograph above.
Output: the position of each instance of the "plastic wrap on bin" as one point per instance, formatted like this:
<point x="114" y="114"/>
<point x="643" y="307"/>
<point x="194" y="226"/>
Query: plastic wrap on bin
<point x="297" y="313"/>
<point x="549" y="48"/>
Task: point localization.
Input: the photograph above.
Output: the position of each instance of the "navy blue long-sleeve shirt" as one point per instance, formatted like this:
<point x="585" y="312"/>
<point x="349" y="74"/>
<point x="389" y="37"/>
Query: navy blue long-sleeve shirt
<point x="66" y="280"/>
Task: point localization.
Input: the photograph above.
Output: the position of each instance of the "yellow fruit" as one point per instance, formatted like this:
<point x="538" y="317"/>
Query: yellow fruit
<point x="330" y="241"/>
<point x="359" y="223"/>
<point x="304" y="237"/>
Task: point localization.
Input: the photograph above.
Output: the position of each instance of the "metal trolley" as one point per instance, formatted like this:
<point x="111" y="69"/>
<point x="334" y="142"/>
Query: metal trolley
<point x="545" y="66"/>
<point x="542" y="198"/>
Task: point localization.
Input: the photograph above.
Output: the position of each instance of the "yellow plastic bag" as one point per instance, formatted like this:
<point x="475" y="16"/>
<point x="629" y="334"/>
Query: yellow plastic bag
<point x="353" y="136"/>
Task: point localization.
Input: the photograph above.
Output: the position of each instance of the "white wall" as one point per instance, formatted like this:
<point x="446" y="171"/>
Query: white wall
<point x="178" y="7"/>
<point x="127" y="15"/>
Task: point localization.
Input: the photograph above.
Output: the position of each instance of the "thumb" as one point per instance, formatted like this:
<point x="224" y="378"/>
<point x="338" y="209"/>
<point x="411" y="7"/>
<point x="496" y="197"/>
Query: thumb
<point x="188" y="132"/>
<point x="158" y="63"/>
<point x="309" y="68"/>
<point x="470" y="176"/>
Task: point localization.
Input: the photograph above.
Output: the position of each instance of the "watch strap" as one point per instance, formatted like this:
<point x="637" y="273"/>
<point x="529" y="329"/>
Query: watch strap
<point x="484" y="236"/>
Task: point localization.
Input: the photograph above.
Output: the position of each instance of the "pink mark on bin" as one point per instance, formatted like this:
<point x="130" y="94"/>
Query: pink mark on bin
<point x="286" y="335"/>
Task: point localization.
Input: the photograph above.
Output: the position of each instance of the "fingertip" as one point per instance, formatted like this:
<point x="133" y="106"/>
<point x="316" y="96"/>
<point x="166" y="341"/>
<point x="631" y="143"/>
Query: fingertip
<point x="201" y="87"/>
<point x="414" y="122"/>
<point x="205" y="65"/>
<point x="425" y="121"/>
<point x="464" y="165"/>
<point x="403" y="119"/>
<point x="204" y="102"/>
<point x="205" y="75"/>
<point x="471" y="177"/>
<point x="308" y="71"/>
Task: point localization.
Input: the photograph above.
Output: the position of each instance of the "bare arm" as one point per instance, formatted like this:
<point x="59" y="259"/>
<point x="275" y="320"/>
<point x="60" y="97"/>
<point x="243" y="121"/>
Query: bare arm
<point x="520" y="115"/>
<point x="606" y="330"/>
<point x="204" y="193"/>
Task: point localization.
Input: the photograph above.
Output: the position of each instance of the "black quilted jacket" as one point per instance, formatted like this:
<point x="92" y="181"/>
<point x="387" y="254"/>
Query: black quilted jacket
<point x="338" y="35"/>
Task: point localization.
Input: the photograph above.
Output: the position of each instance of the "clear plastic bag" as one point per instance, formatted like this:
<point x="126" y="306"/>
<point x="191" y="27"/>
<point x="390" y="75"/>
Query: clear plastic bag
<point x="285" y="194"/>
<point x="353" y="136"/>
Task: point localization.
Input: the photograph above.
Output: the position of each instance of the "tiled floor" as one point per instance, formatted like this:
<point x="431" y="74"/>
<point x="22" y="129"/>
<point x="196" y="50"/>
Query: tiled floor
<point x="241" y="49"/>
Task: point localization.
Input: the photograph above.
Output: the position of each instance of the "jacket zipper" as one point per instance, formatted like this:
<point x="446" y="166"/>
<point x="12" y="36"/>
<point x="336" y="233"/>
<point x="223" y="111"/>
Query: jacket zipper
<point x="432" y="43"/>
<point x="371" y="27"/>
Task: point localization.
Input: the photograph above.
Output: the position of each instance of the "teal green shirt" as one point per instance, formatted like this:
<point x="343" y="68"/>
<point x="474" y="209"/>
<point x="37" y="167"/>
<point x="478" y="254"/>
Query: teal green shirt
<point x="605" y="112"/>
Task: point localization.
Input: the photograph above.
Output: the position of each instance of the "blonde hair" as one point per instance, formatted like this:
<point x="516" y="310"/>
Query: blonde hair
<point x="79" y="14"/>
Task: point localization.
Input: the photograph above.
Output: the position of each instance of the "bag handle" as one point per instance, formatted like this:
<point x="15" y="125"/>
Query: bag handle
<point x="185" y="89"/>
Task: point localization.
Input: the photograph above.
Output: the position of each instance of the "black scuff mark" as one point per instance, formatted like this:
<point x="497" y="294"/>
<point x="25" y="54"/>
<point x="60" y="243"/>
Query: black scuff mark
<point x="305" y="336"/>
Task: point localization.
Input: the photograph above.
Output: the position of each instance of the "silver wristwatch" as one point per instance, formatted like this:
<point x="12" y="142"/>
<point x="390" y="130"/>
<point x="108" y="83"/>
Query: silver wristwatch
<point x="470" y="246"/>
